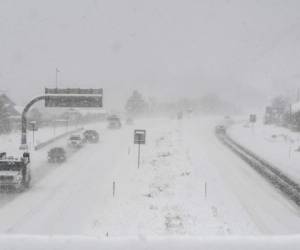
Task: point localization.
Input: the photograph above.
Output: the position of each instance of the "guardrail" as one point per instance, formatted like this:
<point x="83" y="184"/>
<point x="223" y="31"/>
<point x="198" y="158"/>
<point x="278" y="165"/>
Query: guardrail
<point x="271" y="173"/>
<point x="46" y="143"/>
<point x="63" y="242"/>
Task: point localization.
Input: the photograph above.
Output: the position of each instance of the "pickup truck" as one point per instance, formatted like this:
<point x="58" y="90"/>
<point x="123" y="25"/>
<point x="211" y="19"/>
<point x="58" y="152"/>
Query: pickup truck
<point x="15" y="172"/>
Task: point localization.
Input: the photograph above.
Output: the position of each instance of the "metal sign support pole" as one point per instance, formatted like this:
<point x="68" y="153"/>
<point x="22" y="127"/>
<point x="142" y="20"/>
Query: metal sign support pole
<point x="139" y="154"/>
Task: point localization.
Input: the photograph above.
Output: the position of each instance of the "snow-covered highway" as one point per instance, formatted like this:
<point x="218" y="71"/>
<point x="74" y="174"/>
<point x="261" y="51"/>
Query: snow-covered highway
<point x="166" y="196"/>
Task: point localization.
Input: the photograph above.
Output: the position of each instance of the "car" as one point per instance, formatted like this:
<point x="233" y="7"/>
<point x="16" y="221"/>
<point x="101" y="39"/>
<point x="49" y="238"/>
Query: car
<point x="114" y="122"/>
<point x="75" y="141"/>
<point x="91" y="136"/>
<point x="129" y="121"/>
<point x="220" y="129"/>
<point x="57" y="155"/>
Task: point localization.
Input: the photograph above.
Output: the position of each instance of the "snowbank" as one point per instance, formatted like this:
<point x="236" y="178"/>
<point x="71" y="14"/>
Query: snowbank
<point x="277" y="145"/>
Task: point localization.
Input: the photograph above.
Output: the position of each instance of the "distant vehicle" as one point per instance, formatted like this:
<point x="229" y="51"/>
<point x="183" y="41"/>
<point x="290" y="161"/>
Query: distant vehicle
<point x="179" y="115"/>
<point x="75" y="141"/>
<point x="220" y="129"/>
<point x="57" y="154"/>
<point x="15" y="172"/>
<point x="114" y="122"/>
<point x="32" y="127"/>
<point x="129" y="121"/>
<point x="91" y="136"/>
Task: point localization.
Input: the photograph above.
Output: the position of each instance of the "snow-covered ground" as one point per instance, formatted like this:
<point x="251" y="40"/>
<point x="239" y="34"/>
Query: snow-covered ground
<point x="166" y="196"/>
<point x="278" y="145"/>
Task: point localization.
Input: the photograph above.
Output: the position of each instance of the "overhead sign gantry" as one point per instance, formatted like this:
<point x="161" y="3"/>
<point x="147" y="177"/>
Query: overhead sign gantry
<point x="63" y="98"/>
<point x="73" y="98"/>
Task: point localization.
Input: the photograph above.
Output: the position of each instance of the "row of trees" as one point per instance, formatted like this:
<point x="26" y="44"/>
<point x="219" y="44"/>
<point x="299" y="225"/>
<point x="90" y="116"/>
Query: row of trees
<point x="280" y="112"/>
<point x="136" y="105"/>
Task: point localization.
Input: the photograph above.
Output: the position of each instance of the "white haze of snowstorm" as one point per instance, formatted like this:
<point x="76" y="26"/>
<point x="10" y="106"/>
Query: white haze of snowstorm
<point x="246" y="51"/>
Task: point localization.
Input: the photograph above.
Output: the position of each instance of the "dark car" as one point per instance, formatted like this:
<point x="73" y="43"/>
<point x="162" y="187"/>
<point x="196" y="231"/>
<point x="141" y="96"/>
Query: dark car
<point x="91" y="136"/>
<point x="57" y="154"/>
<point x="220" y="129"/>
<point x="114" y="122"/>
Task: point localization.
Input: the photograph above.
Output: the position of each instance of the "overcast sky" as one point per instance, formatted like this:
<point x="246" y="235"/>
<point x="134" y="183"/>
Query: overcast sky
<point x="165" y="48"/>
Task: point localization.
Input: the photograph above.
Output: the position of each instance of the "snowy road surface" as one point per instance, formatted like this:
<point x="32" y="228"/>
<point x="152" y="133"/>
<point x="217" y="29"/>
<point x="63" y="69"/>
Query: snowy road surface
<point x="166" y="196"/>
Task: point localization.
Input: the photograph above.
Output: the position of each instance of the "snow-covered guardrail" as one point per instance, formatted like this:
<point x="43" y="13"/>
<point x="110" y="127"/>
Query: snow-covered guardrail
<point x="277" y="178"/>
<point x="46" y="143"/>
<point x="35" y="242"/>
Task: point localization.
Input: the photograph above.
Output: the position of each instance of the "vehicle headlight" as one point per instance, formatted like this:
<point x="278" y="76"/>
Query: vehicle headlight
<point x="18" y="177"/>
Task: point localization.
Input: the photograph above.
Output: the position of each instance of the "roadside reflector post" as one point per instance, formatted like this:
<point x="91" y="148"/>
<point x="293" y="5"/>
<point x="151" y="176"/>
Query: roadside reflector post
<point x="139" y="138"/>
<point x="205" y="190"/>
<point x="114" y="188"/>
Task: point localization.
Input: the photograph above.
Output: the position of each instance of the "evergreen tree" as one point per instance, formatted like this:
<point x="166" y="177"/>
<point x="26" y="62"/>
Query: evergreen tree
<point x="136" y="105"/>
<point x="4" y="119"/>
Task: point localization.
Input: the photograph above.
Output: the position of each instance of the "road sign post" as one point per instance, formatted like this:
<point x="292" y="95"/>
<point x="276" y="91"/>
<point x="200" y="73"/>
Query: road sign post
<point x="139" y="138"/>
<point x="252" y="120"/>
<point x="139" y="155"/>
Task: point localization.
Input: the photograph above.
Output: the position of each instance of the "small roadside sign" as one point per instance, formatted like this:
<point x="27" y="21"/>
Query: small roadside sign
<point x="139" y="136"/>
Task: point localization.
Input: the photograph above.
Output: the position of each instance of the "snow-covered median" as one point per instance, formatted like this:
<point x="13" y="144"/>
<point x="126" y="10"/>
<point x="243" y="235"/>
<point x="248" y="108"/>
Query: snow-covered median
<point x="166" y="195"/>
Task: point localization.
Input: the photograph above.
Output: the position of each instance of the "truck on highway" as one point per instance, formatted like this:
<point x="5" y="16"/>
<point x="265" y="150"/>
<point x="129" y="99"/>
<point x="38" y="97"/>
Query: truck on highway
<point x="15" y="172"/>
